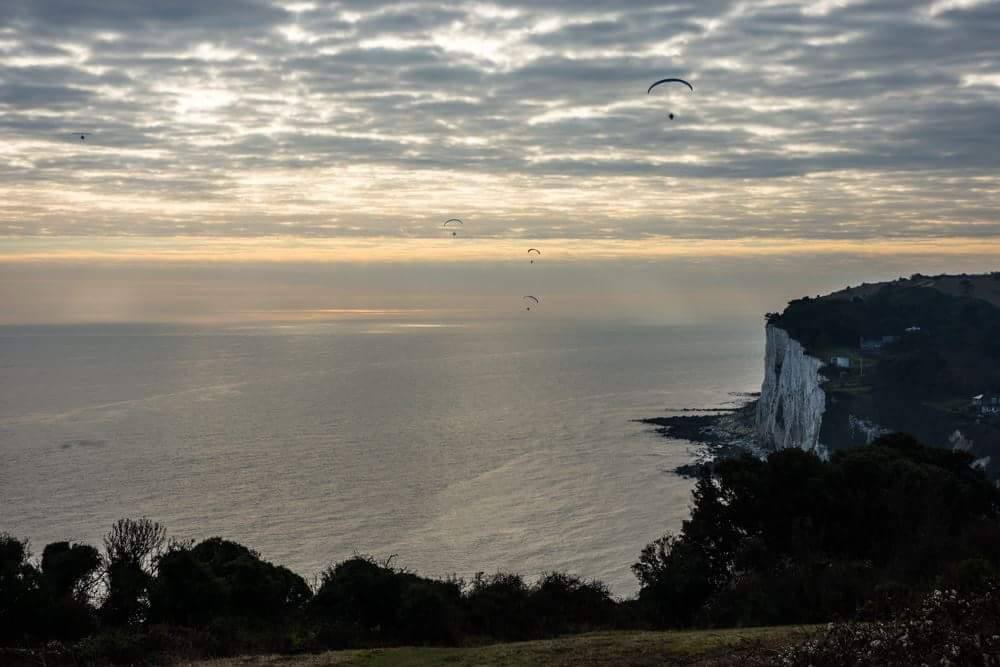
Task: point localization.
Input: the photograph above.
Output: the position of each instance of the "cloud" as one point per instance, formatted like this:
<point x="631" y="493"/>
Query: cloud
<point x="866" y="119"/>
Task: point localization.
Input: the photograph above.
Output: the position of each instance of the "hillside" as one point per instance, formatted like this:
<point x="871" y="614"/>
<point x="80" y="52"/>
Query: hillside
<point x="908" y="355"/>
<point x="604" y="648"/>
<point x="980" y="286"/>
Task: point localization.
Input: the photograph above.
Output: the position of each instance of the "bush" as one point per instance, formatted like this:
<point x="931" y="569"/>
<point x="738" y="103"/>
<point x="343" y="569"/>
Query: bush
<point x="132" y="548"/>
<point x="362" y="600"/>
<point x="186" y="591"/>
<point x="126" y="604"/>
<point x="153" y="645"/>
<point x="359" y="594"/>
<point x="178" y="601"/>
<point x="676" y="581"/>
<point x="68" y="569"/>
<point x="220" y="578"/>
<point x="947" y="628"/>
<point x="69" y="573"/>
<point x="563" y="603"/>
<point x="497" y="606"/>
<point x="430" y="612"/>
<point x="794" y="539"/>
<point x="20" y="597"/>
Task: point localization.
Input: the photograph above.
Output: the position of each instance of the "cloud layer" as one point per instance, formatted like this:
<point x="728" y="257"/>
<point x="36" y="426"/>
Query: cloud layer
<point x="834" y="119"/>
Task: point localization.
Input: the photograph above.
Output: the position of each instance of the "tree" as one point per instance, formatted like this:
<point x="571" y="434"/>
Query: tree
<point x="186" y="591"/>
<point x="676" y="581"/>
<point x="362" y="599"/>
<point x="68" y="570"/>
<point x="564" y="603"/>
<point x="429" y="611"/>
<point x="132" y="548"/>
<point x="69" y="575"/>
<point x="20" y="599"/>
<point x="798" y="539"/>
<point x="498" y="607"/>
<point x="360" y="593"/>
<point x="137" y="541"/>
<point x="223" y="579"/>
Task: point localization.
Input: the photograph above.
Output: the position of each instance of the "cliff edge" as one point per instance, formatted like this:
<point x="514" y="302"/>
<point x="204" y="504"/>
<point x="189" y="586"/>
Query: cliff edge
<point x="918" y="355"/>
<point x="789" y="412"/>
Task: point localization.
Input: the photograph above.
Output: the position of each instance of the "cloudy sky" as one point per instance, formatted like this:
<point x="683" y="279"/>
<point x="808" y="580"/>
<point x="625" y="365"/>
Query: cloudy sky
<point x="322" y="132"/>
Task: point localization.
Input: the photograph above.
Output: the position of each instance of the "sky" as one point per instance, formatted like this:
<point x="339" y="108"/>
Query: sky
<point x="249" y="157"/>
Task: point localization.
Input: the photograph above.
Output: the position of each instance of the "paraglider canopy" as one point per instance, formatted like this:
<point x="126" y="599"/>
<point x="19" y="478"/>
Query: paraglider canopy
<point x="656" y="83"/>
<point x="530" y="298"/>
<point x="453" y="221"/>
<point x="534" y="250"/>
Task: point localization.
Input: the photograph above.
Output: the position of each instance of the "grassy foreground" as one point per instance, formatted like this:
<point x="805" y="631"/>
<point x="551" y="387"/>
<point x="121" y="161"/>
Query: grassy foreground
<point x="601" y="648"/>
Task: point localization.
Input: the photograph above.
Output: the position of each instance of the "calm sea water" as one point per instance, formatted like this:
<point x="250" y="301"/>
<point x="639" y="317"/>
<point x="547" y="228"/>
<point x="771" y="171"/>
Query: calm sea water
<point x="466" y="447"/>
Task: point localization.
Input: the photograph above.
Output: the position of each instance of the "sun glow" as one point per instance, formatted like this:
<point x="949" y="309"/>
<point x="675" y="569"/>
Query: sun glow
<point x="15" y="250"/>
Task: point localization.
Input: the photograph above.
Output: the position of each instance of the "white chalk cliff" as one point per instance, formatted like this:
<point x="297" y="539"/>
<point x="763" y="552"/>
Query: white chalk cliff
<point x="792" y="402"/>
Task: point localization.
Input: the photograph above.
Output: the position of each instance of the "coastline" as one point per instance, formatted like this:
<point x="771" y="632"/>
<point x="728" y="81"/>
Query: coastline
<point x="717" y="432"/>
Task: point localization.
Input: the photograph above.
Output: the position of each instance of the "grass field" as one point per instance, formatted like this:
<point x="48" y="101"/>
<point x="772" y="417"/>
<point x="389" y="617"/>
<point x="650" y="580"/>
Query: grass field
<point x="603" y="648"/>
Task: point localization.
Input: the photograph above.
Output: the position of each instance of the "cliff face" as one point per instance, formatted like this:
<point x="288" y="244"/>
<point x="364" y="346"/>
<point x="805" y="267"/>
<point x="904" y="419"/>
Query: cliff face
<point x="792" y="402"/>
<point x="939" y="345"/>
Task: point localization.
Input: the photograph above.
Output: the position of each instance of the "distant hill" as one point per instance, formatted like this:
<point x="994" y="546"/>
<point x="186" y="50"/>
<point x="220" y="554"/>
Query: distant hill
<point x="980" y="286"/>
<point x="907" y="355"/>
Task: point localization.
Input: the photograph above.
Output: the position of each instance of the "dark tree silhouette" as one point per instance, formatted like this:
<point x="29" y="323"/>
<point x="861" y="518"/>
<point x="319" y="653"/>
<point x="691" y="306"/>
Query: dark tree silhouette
<point x="20" y="601"/>
<point x="798" y="539"/>
<point x="132" y="548"/>
<point x="70" y="570"/>
<point x="70" y="574"/>
<point x="139" y="541"/>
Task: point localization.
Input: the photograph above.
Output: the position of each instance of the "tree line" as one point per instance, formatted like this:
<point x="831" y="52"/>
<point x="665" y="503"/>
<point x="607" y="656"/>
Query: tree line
<point x="788" y="539"/>
<point x="146" y="595"/>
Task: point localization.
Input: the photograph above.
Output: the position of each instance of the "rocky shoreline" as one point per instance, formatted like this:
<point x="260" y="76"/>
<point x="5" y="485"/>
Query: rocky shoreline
<point x="719" y="432"/>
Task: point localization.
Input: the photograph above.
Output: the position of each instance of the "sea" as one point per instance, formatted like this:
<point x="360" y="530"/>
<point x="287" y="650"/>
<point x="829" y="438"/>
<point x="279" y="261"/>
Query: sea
<point x="454" y="447"/>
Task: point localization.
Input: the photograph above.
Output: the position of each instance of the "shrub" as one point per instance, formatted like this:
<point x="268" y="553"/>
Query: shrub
<point x="362" y="600"/>
<point x="68" y="569"/>
<point x="186" y="591"/>
<point x="946" y="628"/>
<point x="497" y="606"/>
<point x="132" y="548"/>
<point x="69" y="573"/>
<point x="221" y="578"/>
<point x="359" y="594"/>
<point x="20" y="598"/>
<point x="564" y="603"/>
<point x="430" y="612"/>
<point x="795" y="539"/>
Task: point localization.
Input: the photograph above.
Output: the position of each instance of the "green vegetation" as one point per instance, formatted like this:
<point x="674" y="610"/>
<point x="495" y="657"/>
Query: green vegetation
<point x="948" y="627"/>
<point x="946" y="350"/>
<point x="789" y="540"/>
<point x="794" y="539"/>
<point x="956" y="350"/>
<point x="599" y="648"/>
